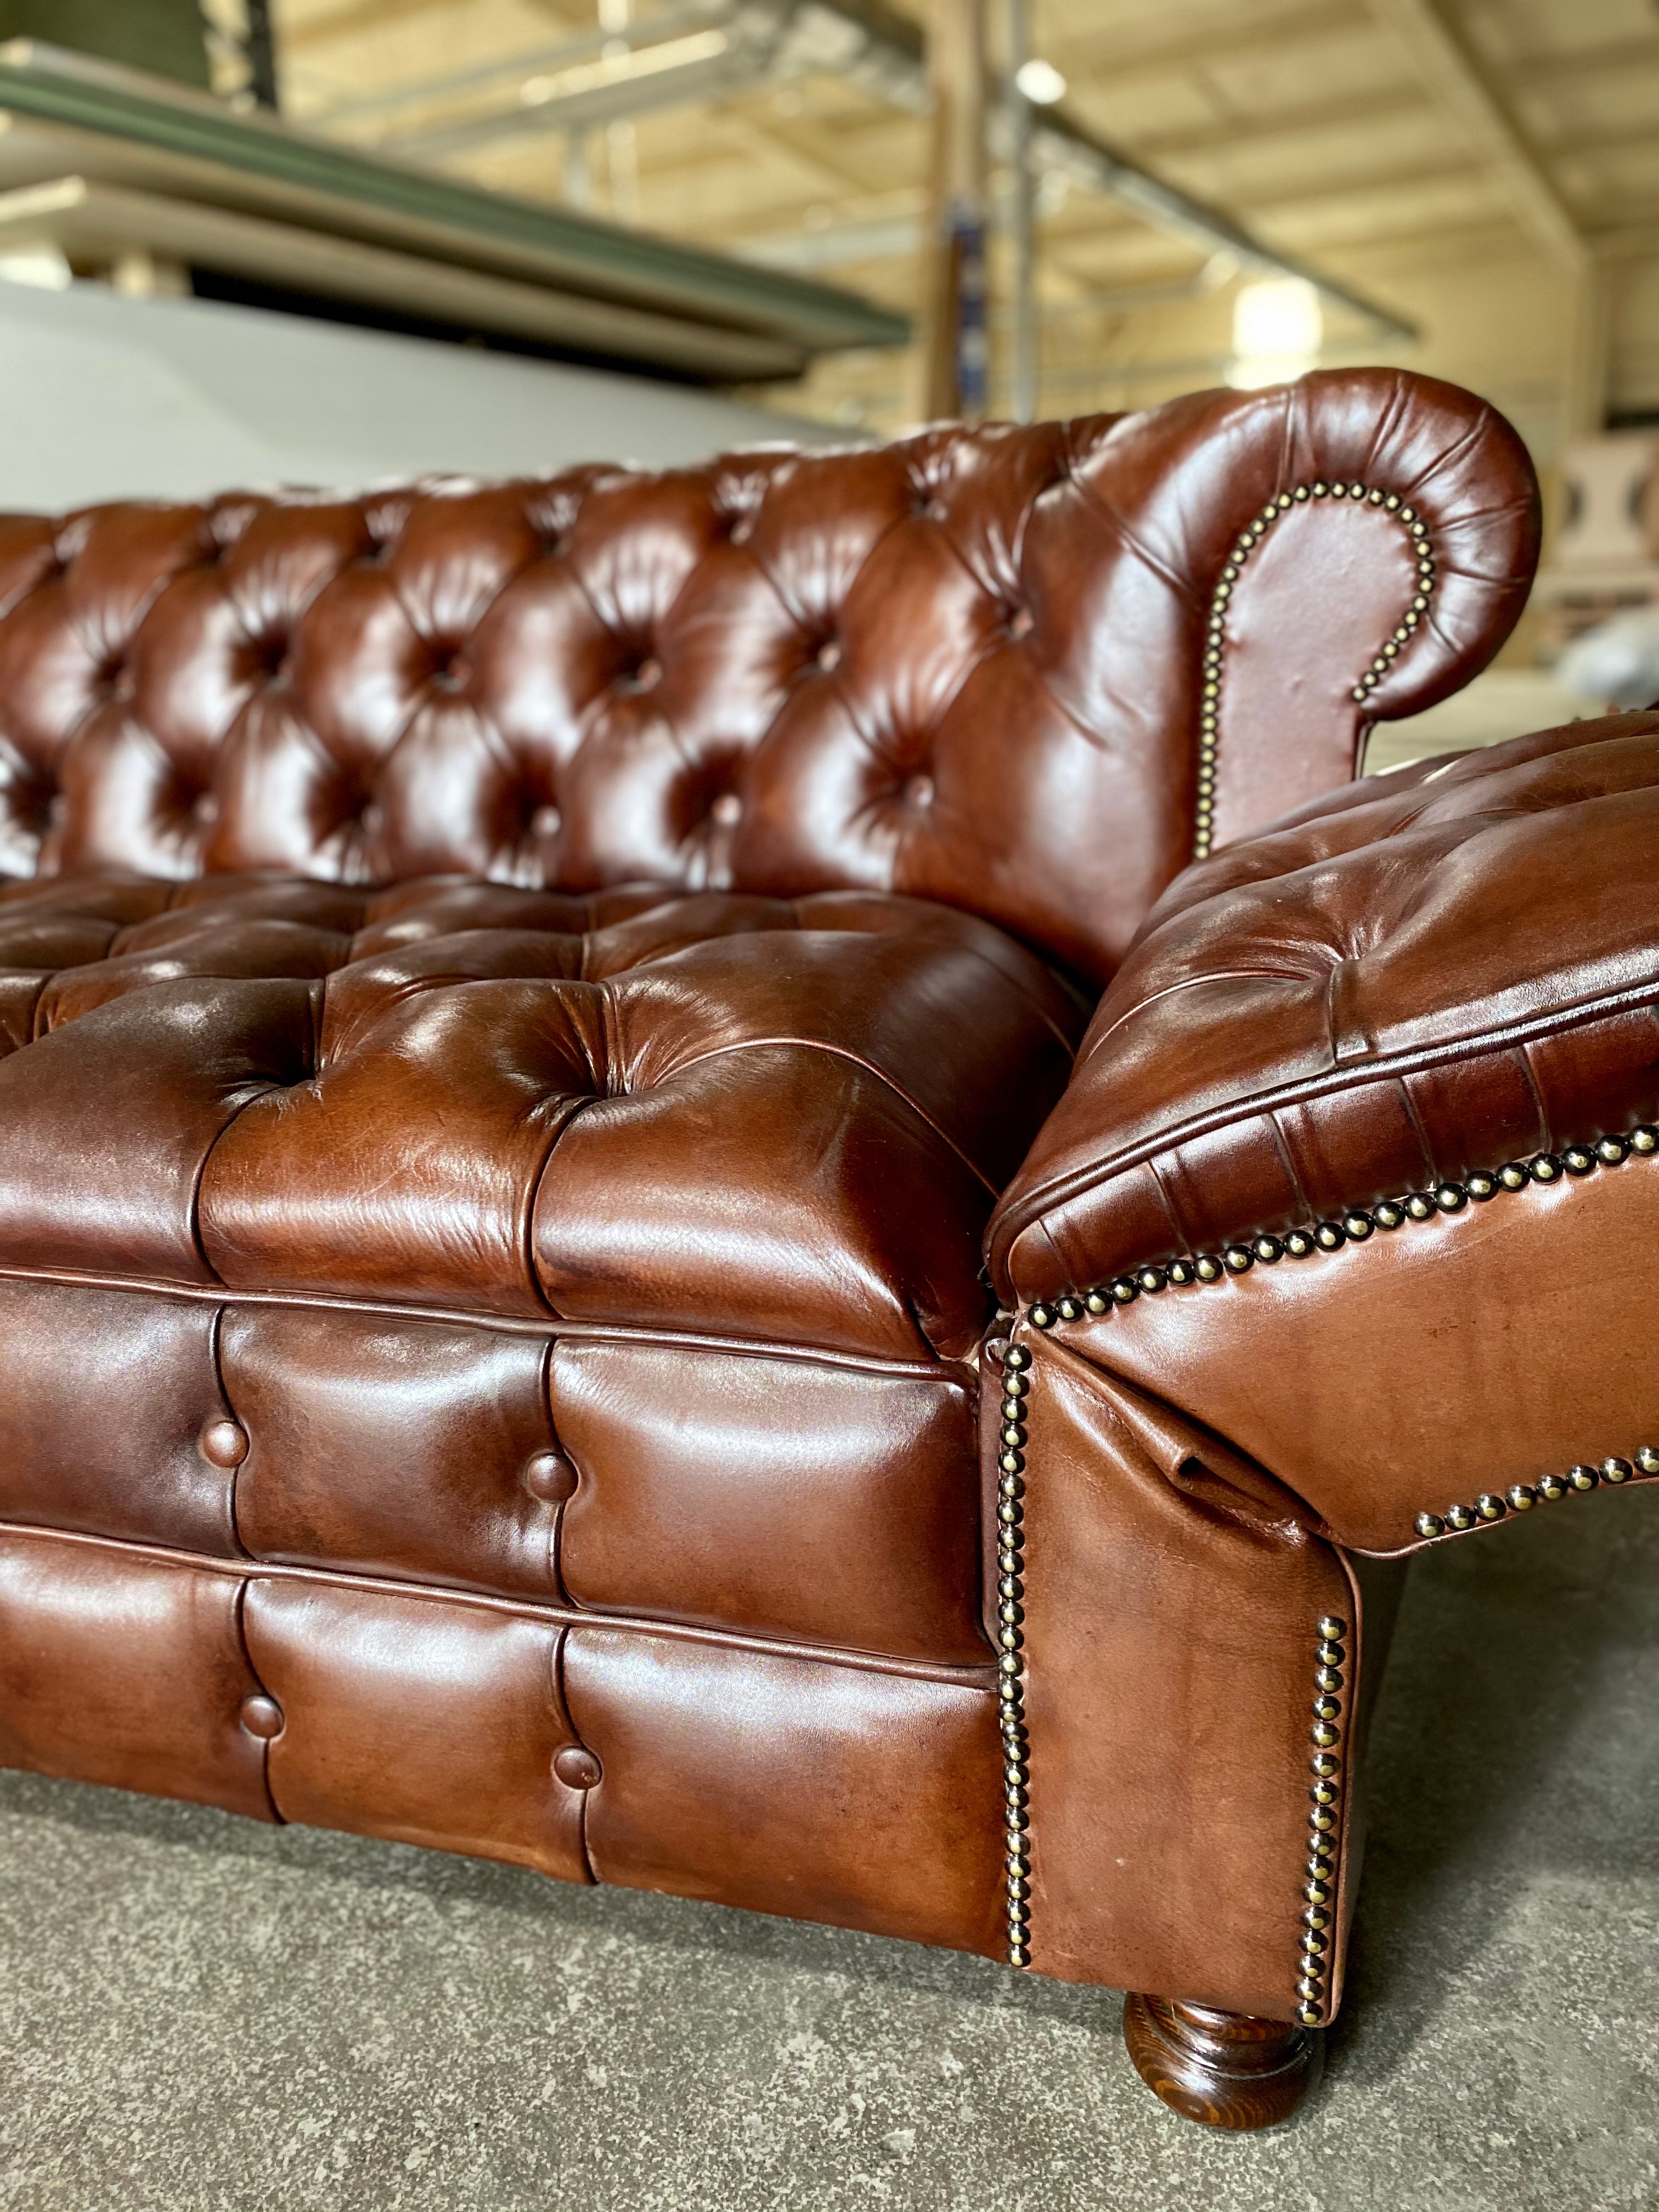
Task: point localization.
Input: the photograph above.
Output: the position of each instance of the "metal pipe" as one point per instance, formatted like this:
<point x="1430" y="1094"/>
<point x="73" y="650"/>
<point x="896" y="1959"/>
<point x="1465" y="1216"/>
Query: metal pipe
<point x="1022" y="223"/>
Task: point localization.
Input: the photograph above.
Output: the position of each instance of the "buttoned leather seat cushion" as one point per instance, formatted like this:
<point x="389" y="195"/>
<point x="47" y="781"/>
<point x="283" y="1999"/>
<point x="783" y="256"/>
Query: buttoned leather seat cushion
<point x="754" y="1117"/>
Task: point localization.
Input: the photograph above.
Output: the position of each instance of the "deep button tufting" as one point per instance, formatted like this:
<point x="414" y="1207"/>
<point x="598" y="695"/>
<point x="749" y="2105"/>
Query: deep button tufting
<point x="918" y="792"/>
<point x="549" y="643"/>
<point x="206" y="808"/>
<point x="726" y="810"/>
<point x="576" y="1766"/>
<point x="550" y="1478"/>
<point x="262" y="1716"/>
<point x="448" y="675"/>
<point x="646" y="675"/>
<point x="828" y="654"/>
<point x="546" y="822"/>
<point x="223" y="1442"/>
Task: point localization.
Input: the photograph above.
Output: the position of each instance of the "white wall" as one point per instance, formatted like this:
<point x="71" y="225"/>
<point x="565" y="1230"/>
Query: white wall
<point x="103" y="396"/>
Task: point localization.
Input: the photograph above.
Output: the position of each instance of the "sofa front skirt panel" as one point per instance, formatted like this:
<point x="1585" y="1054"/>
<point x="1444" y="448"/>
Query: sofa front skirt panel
<point x="789" y="1494"/>
<point x="825" y="1787"/>
<point x="846" y="1794"/>
<point x="119" y="1667"/>
<point x="1180" y="1628"/>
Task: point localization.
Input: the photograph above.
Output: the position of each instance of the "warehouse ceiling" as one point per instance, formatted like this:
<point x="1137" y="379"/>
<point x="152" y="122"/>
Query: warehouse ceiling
<point x="1451" y="160"/>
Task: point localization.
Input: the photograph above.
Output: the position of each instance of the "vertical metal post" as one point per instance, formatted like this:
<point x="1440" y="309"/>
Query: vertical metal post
<point x="260" y="49"/>
<point x="956" y="351"/>
<point x="1022" y="227"/>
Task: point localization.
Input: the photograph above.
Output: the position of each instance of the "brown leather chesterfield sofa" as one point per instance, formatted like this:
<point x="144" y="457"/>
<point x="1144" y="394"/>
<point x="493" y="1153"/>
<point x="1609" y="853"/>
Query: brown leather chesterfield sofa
<point x="524" y="1006"/>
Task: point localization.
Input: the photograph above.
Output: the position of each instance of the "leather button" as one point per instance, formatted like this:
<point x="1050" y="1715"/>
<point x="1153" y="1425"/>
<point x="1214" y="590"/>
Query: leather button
<point x="223" y="1443"/>
<point x="1021" y="623"/>
<point x="648" y="676"/>
<point x="829" y="653"/>
<point x="262" y="1716"/>
<point x="918" y="792"/>
<point x="726" y="809"/>
<point x="549" y="1477"/>
<point x="576" y="1766"/>
<point x="545" y="821"/>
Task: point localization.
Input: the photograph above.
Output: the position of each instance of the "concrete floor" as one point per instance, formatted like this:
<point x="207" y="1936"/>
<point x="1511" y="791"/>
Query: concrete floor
<point x="198" y="2015"/>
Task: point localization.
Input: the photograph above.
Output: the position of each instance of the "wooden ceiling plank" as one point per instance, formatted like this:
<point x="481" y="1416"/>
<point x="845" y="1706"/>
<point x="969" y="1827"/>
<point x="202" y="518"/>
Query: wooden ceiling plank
<point x="1460" y="80"/>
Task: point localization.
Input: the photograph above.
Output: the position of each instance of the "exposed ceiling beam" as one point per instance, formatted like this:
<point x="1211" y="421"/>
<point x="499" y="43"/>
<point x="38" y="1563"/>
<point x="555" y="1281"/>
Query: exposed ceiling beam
<point x="1619" y="57"/>
<point x="1459" y="79"/>
<point x="1308" y="118"/>
<point x="352" y="21"/>
<point x="1630" y="241"/>
<point x="1162" y="42"/>
<point x="885" y="53"/>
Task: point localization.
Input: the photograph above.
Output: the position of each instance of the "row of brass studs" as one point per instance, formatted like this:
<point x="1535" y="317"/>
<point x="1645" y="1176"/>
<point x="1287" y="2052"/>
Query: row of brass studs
<point x="1521" y="1496"/>
<point x="1011" y="1694"/>
<point x="1353" y="1228"/>
<point x="1215" y="635"/>
<point x="1324" y="1826"/>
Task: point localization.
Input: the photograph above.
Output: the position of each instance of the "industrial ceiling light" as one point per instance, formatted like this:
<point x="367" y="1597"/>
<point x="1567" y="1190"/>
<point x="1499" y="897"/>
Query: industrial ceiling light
<point x="1279" y="326"/>
<point x="1041" y="83"/>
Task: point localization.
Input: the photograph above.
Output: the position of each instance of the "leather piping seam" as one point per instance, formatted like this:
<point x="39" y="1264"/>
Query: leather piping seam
<point x="1353" y="1075"/>
<point x="1011" y="1666"/>
<point x="1356" y="1226"/>
<point x="563" y="1714"/>
<point x="237" y="1612"/>
<point x="244" y="1571"/>
<point x="1319" y="1935"/>
<point x="959" y="1373"/>
<point x="1215" y="638"/>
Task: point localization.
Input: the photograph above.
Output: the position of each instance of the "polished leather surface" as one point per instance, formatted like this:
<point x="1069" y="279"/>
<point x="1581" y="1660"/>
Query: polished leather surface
<point x="1426" y="1369"/>
<point x="688" y="1120"/>
<point x="1421" y="981"/>
<point x="966" y="666"/>
<point x="1173" y="1595"/>
<point x="517" y="1005"/>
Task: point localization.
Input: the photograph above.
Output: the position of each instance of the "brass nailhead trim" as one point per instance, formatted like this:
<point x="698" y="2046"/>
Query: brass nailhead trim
<point x="1215" y="635"/>
<point x="1354" y="1227"/>
<point x="1324" y="1826"/>
<point x="1521" y="1496"/>
<point x="1010" y="1692"/>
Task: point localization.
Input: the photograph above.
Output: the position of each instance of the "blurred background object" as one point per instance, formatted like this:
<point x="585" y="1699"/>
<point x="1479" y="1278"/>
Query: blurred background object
<point x="858" y="213"/>
<point x="1617" y="661"/>
<point x="165" y="37"/>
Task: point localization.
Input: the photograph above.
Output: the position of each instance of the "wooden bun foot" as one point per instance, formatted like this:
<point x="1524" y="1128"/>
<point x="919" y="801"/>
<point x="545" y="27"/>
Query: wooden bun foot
<point x="1222" y="2069"/>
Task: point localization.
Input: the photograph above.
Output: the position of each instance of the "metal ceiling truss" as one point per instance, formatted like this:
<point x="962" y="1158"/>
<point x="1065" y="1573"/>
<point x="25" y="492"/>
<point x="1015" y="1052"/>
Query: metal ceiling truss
<point x="713" y="48"/>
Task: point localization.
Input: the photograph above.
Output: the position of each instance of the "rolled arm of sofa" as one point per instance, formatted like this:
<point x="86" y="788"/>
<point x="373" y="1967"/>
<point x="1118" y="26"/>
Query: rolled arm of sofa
<point x="1339" y="1243"/>
<point x="1299" y="563"/>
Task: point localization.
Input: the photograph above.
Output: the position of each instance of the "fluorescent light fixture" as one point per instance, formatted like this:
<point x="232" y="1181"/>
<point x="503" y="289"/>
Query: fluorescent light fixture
<point x="1041" y="83"/>
<point x="1279" y="327"/>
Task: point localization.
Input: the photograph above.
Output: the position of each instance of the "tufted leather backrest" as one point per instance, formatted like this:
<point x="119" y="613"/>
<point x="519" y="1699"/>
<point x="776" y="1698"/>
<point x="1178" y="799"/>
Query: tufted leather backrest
<point x="1024" y="672"/>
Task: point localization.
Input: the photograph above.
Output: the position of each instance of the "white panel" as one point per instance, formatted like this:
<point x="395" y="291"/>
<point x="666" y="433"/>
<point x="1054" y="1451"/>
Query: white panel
<point x="107" y="397"/>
